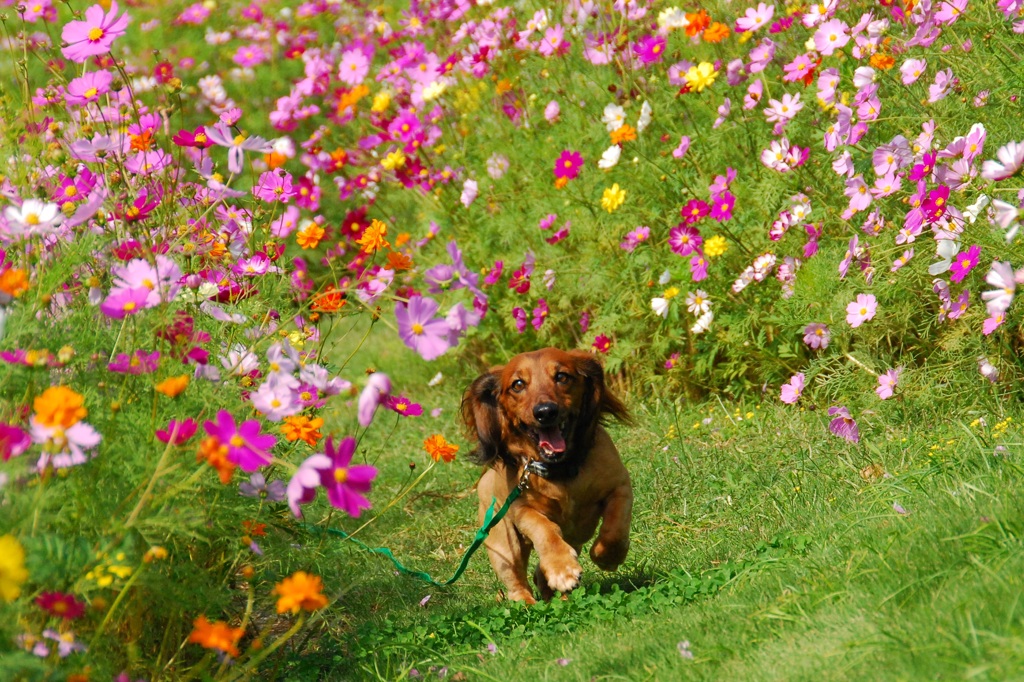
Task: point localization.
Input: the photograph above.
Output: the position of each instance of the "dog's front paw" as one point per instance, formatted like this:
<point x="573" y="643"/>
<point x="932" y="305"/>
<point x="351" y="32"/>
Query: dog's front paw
<point x="609" y="556"/>
<point x="563" y="572"/>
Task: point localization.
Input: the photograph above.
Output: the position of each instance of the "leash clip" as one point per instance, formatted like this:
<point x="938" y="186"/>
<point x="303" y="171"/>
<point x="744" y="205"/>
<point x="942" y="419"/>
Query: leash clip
<point x="524" y="480"/>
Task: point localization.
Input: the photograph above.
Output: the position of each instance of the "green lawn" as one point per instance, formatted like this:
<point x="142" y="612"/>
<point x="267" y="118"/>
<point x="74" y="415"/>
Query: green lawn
<point x="777" y="550"/>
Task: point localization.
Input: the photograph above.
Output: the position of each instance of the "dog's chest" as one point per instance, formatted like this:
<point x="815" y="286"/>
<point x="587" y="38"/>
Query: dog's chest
<point x="576" y="509"/>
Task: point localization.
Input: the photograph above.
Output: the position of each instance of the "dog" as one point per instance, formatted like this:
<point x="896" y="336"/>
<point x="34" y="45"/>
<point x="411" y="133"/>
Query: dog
<point x="544" y="411"/>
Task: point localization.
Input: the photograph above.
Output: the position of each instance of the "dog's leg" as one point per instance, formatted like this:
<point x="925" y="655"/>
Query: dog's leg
<point x="509" y="556"/>
<point x="557" y="558"/>
<point x="609" y="550"/>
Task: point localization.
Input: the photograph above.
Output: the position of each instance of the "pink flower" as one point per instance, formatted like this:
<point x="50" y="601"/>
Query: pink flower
<point x="139" y="362"/>
<point x="887" y="382"/>
<point x="247" y="447"/>
<point x="177" y="432"/>
<point x="1011" y="158"/>
<point x="861" y="310"/>
<point x="551" y="111"/>
<point x="519" y="317"/>
<point x="792" y="391"/>
<point x="940" y="87"/>
<point x="755" y="18"/>
<point x="964" y="262"/>
<point x="94" y="35"/>
<point x="721" y="206"/>
<point x="345" y="484"/>
<point x="698" y="267"/>
<point x="274" y="186"/>
<point x="831" y="36"/>
<point x="602" y="344"/>
<point x="14" y="440"/>
<point x="912" y="69"/>
<point x="88" y="87"/>
<point x="403" y="406"/>
<point x="843" y="425"/>
<point x="635" y="238"/>
<point x="540" y="313"/>
<point x="353" y="68"/>
<point x="694" y="210"/>
<point x="684" y="145"/>
<point x="378" y="385"/>
<point x="420" y="330"/>
<point x="123" y="302"/>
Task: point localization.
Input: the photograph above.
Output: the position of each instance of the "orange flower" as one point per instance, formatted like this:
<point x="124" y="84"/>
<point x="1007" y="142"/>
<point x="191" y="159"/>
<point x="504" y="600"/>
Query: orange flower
<point x="142" y="142"/>
<point x="309" y="236"/>
<point x="398" y="261"/>
<point x="59" y="406"/>
<point x="438" y="448"/>
<point x="300" y="591"/>
<point x="882" y="62"/>
<point x="172" y="386"/>
<point x="348" y="100"/>
<point x="215" y="453"/>
<point x="625" y="133"/>
<point x="716" y="32"/>
<point x="302" y="428"/>
<point x="698" y="22"/>
<point x="219" y="635"/>
<point x="13" y="282"/>
<point x="275" y="159"/>
<point x="373" y="238"/>
<point x="330" y="300"/>
<point x="401" y="239"/>
<point x="561" y="182"/>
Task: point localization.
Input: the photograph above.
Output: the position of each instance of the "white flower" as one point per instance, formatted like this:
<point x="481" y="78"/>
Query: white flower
<point x="665" y="278"/>
<point x="436" y="380"/>
<point x="32" y="217"/>
<point x="697" y="302"/>
<point x="974" y="210"/>
<point x="703" y="323"/>
<point x="614" y="117"/>
<point x="610" y="158"/>
<point x="433" y="90"/>
<point x="660" y="306"/>
<point x="945" y="249"/>
<point x="999" y="299"/>
<point x="646" y="114"/>
<point x="1011" y="157"/>
<point x="672" y="18"/>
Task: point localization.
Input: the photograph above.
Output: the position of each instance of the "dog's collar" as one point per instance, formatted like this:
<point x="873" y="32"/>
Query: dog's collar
<point x="552" y="472"/>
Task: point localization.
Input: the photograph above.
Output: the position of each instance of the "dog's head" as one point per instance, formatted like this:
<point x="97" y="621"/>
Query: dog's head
<point x="544" y="405"/>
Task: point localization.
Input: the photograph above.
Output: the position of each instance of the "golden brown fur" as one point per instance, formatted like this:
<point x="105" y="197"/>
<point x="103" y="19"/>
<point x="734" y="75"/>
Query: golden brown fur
<point x="510" y="411"/>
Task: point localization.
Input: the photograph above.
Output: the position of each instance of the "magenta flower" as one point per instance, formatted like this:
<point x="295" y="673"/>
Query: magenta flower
<point x="934" y="206"/>
<point x="861" y="310"/>
<point x="568" y="165"/>
<point x="519" y="317"/>
<point x="94" y="35"/>
<point x="540" y="313"/>
<point x="887" y="382"/>
<point x="403" y="406"/>
<point x="721" y="206"/>
<point x="602" y="344"/>
<point x="684" y="240"/>
<point x="843" y="425"/>
<point x="698" y="267"/>
<point x="345" y="484"/>
<point x="139" y="362"/>
<point x="964" y="262"/>
<point x="177" y="432"/>
<point x="88" y="87"/>
<point x="377" y="387"/>
<point x="247" y="447"/>
<point x="420" y="330"/>
<point x="650" y="49"/>
<point x="817" y="335"/>
<point x="694" y="210"/>
<point x="14" y="440"/>
<point x="792" y="391"/>
<point x="274" y="186"/>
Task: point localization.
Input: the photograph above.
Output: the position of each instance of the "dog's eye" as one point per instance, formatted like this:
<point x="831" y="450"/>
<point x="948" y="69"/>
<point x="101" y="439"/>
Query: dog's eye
<point x="563" y="378"/>
<point x="518" y="385"/>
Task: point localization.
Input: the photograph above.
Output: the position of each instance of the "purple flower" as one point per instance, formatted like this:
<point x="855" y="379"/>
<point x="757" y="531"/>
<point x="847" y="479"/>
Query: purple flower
<point x="420" y="330"/>
<point x="344" y="484"/>
<point x="635" y="238"/>
<point x="817" y="335"/>
<point x="257" y="486"/>
<point x="94" y="35"/>
<point x="377" y="386"/>
<point x="792" y="391"/>
<point x="247" y="447"/>
<point x="843" y="425"/>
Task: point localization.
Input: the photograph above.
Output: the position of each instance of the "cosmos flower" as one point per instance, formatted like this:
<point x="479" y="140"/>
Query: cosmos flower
<point x="93" y="35"/>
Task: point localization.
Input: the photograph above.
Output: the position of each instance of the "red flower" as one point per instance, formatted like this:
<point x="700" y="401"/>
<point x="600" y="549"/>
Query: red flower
<point x="61" y="605"/>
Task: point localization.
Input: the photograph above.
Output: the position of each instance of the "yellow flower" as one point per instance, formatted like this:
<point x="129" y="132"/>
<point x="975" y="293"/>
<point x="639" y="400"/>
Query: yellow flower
<point x="701" y="76"/>
<point x="715" y="246"/>
<point x="395" y="159"/>
<point x="671" y="292"/>
<point x="612" y="198"/>
<point x="12" y="568"/>
<point x="381" y="101"/>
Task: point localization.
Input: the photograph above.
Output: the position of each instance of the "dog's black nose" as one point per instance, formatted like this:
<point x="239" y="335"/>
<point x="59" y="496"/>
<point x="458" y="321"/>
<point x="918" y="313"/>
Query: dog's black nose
<point x="545" y="413"/>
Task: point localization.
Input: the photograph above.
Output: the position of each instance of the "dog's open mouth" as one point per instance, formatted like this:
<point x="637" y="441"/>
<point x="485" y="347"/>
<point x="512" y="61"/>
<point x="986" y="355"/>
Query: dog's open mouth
<point x="551" y="440"/>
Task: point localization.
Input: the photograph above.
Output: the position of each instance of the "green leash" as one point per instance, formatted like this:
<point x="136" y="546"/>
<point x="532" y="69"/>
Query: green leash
<point x="491" y="519"/>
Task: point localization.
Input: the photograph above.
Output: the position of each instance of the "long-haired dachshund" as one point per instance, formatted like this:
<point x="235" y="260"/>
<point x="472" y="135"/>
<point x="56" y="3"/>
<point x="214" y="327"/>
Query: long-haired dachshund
<point x="543" y="413"/>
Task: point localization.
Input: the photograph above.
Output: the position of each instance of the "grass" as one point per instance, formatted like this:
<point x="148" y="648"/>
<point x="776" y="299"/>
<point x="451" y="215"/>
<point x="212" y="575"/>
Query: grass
<point x="774" y="548"/>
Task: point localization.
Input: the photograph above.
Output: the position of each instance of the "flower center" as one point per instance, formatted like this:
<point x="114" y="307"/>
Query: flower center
<point x="236" y="441"/>
<point x="90" y="93"/>
<point x="340" y="475"/>
<point x="95" y="33"/>
<point x="32" y="219"/>
<point x="417" y="328"/>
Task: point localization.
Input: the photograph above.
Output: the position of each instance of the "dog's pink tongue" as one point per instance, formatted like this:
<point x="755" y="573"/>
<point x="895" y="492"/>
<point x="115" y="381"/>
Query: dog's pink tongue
<point x="552" y="440"/>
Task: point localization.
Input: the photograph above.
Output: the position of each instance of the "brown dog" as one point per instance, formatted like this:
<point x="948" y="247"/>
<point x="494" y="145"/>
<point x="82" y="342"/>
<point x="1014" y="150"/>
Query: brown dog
<point x="545" y="409"/>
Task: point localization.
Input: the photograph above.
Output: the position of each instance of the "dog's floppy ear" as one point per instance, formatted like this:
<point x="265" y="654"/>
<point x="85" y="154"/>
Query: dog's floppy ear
<point x="601" y="403"/>
<point x="480" y="415"/>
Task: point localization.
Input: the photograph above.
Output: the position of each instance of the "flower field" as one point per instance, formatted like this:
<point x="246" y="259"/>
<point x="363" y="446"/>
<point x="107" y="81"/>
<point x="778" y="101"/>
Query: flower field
<point x="250" y="253"/>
